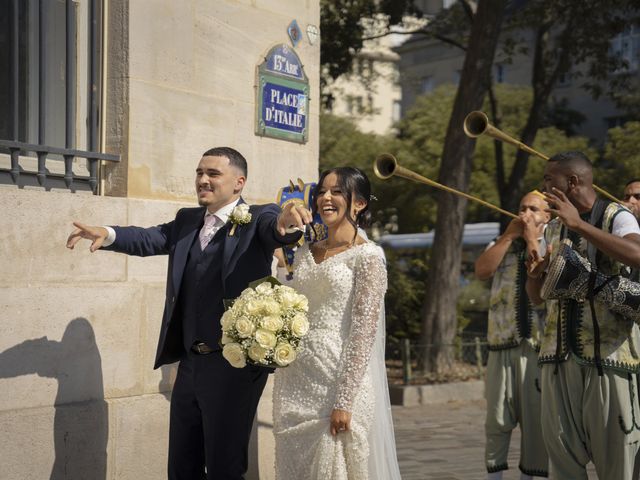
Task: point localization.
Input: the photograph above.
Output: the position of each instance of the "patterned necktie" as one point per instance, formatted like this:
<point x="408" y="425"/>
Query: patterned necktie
<point x="208" y="229"/>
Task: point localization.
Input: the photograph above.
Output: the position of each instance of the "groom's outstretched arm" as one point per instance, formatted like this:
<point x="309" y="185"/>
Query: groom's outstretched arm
<point x="130" y="240"/>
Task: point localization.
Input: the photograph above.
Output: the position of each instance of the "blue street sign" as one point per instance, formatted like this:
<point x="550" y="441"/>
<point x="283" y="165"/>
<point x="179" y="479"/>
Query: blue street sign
<point x="282" y="102"/>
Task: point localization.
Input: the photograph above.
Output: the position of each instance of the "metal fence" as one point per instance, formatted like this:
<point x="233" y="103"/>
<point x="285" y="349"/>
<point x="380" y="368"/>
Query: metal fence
<point x="465" y="359"/>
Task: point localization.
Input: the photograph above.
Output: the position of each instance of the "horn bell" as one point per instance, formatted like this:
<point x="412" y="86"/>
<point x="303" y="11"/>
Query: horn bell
<point x="475" y="124"/>
<point x="385" y="166"/>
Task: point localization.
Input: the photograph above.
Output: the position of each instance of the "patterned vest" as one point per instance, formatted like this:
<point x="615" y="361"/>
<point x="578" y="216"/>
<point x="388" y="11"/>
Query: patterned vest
<point x="512" y="318"/>
<point x="619" y="337"/>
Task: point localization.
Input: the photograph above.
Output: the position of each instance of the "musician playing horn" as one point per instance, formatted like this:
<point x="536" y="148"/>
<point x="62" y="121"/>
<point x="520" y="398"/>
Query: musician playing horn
<point x="631" y="197"/>
<point x="513" y="377"/>
<point x="590" y="352"/>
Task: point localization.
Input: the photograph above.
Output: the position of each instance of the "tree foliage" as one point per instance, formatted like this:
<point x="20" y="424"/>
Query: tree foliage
<point x="418" y="147"/>
<point x="621" y="159"/>
<point x="571" y="40"/>
<point x="343" y="29"/>
<point x="562" y="39"/>
<point x="407" y="273"/>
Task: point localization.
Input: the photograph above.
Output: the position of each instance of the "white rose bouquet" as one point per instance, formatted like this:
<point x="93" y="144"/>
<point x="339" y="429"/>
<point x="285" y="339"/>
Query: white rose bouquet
<point x="264" y="325"/>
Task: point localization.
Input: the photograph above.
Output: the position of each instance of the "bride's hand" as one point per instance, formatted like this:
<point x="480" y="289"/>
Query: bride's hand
<point x="340" y="421"/>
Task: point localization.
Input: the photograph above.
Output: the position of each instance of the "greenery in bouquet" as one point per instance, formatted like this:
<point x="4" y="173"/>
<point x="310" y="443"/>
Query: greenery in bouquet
<point x="264" y="325"/>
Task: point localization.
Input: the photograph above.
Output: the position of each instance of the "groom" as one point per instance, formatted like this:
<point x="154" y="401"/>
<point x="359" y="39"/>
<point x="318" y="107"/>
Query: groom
<point x="212" y="403"/>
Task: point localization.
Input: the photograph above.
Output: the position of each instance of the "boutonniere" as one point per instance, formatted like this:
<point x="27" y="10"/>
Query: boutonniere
<point x="239" y="216"/>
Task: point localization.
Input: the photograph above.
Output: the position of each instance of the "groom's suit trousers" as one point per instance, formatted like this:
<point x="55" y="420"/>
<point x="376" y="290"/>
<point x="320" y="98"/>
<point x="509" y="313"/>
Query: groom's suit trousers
<point x="212" y="404"/>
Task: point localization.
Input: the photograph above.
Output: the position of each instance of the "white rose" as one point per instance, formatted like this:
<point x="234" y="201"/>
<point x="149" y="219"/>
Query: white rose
<point x="227" y="321"/>
<point x="247" y="292"/>
<point x="226" y="339"/>
<point x="272" y="323"/>
<point x="241" y="213"/>
<point x="288" y="298"/>
<point x="238" y="307"/>
<point x="284" y="289"/>
<point x="265" y="338"/>
<point x="244" y="327"/>
<point x="257" y="353"/>
<point x="299" y="326"/>
<point x="264" y="289"/>
<point x="234" y="355"/>
<point x="253" y="307"/>
<point x="284" y="354"/>
<point x="271" y="307"/>
<point x="302" y="303"/>
<point x="241" y="209"/>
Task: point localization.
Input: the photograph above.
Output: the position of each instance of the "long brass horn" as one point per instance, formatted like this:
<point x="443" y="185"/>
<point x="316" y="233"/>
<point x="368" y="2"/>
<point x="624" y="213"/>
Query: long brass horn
<point x="386" y="166"/>
<point x="477" y="123"/>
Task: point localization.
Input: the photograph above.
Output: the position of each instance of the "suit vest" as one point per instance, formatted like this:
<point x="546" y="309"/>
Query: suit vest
<point x="200" y="302"/>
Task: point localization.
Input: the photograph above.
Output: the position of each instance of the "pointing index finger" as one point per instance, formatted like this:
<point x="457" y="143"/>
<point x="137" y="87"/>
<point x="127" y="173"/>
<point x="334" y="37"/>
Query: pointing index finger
<point x="81" y="226"/>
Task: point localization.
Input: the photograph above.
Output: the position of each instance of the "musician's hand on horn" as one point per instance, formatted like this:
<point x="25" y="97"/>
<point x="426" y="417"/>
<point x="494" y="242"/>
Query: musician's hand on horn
<point x="514" y="230"/>
<point x="530" y="232"/>
<point x="560" y="206"/>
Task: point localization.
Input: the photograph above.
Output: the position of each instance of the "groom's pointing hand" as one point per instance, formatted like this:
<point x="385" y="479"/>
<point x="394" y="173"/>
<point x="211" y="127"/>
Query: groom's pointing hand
<point x="97" y="236"/>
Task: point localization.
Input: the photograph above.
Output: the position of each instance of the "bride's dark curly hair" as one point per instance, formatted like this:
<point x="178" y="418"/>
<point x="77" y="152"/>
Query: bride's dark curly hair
<point x="353" y="182"/>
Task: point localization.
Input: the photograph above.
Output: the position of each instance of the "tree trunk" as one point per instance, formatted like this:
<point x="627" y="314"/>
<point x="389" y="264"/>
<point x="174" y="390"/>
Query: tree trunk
<point x="544" y="77"/>
<point x="439" y="310"/>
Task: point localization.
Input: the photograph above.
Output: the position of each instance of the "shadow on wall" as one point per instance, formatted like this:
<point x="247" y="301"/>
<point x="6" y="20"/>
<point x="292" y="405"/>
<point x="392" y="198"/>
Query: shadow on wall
<point x="81" y="418"/>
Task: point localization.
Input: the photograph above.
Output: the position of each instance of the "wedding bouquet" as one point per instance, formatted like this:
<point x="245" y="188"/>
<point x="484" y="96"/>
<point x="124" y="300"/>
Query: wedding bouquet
<point x="264" y="325"/>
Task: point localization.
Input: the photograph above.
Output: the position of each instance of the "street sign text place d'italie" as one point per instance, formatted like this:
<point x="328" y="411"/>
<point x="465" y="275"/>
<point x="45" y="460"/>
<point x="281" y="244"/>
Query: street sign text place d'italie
<point x="282" y="103"/>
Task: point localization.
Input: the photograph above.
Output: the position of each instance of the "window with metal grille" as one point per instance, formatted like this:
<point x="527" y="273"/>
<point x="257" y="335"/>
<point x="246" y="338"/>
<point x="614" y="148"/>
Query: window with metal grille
<point x="50" y="93"/>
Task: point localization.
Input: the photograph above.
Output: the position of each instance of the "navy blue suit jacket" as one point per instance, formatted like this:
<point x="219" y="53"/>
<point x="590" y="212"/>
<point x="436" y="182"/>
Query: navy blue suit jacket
<point x="246" y="256"/>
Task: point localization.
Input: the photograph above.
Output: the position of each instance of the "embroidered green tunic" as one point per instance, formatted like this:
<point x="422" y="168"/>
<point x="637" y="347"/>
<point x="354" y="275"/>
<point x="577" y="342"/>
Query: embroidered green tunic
<point x="512" y="318"/>
<point x="619" y="337"/>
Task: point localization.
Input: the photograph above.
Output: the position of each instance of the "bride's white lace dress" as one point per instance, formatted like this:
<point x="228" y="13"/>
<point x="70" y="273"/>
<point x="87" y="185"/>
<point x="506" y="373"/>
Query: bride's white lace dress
<point x="334" y="370"/>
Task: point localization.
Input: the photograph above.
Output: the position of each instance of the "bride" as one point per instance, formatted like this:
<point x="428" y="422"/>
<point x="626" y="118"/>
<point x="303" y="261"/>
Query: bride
<point x="332" y="416"/>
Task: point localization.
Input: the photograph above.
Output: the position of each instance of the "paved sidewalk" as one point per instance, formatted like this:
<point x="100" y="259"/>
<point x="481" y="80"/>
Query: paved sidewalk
<point x="446" y="442"/>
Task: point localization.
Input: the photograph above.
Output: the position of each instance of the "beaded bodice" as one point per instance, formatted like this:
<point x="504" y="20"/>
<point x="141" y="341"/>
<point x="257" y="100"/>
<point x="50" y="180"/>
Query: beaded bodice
<point x="345" y="295"/>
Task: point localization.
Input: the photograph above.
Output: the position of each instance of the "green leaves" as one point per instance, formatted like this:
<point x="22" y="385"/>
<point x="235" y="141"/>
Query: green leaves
<point x="342" y="29"/>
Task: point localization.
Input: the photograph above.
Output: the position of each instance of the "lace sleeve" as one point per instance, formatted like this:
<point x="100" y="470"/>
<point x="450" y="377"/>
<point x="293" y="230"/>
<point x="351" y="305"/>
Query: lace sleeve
<point x="370" y="277"/>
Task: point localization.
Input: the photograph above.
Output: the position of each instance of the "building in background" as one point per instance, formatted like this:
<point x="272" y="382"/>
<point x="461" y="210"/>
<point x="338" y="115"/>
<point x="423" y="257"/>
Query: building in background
<point x="426" y="63"/>
<point x="106" y="106"/>
<point x="369" y="95"/>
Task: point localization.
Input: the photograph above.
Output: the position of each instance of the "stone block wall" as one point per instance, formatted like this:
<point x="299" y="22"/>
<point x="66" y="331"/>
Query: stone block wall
<point x="79" y="398"/>
<point x="78" y="331"/>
